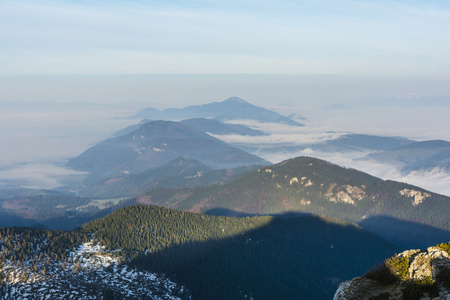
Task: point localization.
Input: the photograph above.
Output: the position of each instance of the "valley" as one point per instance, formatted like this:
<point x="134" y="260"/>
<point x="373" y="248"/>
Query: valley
<point x="181" y="206"/>
<point x="206" y="256"/>
<point x="225" y="150"/>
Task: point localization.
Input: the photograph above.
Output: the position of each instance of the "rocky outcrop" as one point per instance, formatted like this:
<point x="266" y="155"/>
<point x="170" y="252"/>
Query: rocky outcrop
<point x="346" y="194"/>
<point x="417" y="196"/>
<point x="428" y="263"/>
<point x="364" y="288"/>
<point x="422" y="275"/>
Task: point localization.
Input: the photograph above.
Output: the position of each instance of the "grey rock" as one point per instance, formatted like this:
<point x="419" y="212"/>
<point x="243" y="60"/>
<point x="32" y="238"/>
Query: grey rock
<point x="421" y="264"/>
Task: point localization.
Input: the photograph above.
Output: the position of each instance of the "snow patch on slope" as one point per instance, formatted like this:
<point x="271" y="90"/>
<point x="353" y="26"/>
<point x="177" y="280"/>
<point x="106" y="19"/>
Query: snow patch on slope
<point x="90" y="272"/>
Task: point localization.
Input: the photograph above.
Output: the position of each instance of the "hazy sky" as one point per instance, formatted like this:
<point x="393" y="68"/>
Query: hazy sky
<point x="293" y="56"/>
<point x="387" y="38"/>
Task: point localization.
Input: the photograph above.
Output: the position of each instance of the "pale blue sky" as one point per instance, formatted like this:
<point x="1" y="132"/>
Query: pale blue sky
<point x="292" y="56"/>
<point x="382" y="38"/>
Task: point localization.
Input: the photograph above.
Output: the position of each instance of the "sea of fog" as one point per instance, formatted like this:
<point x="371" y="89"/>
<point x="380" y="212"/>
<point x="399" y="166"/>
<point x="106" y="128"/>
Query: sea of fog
<point x="37" y="140"/>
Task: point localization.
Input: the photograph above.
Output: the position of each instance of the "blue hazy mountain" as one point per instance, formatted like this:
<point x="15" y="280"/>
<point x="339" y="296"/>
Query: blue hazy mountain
<point x="155" y="144"/>
<point x="131" y="128"/>
<point x="204" y="125"/>
<point x="361" y="142"/>
<point x="180" y="172"/>
<point x="220" y="128"/>
<point x="416" y="156"/>
<point x="232" y="108"/>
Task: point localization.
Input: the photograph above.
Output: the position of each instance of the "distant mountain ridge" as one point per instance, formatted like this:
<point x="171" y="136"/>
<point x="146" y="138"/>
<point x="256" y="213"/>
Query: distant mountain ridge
<point x="233" y="108"/>
<point x="361" y="142"/>
<point x="418" y="156"/>
<point x="216" y="127"/>
<point x="210" y="126"/>
<point x="27" y="207"/>
<point x="309" y="185"/>
<point x="405" y="154"/>
<point x="155" y="144"/>
<point x="180" y="172"/>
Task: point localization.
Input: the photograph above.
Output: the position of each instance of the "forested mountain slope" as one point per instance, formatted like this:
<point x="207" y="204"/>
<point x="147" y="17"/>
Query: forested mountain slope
<point x="309" y="185"/>
<point x="180" y="172"/>
<point x="25" y="207"/>
<point x="231" y="258"/>
<point x="206" y="257"/>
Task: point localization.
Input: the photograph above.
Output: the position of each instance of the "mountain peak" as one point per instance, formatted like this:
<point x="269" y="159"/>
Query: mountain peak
<point x="233" y="108"/>
<point x="235" y="100"/>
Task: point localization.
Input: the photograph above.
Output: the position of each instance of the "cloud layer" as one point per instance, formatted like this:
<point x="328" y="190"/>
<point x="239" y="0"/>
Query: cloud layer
<point x="35" y="176"/>
<point x="37" y="139"/>
<point x="286" y="142"/>
<point x="436" y="180"/>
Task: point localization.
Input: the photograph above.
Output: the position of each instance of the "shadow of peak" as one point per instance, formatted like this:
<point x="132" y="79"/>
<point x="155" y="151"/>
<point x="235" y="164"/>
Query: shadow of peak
<point x="405" y="233"/>
<point x="226" y="212"/>
<point x="285" y="258"/>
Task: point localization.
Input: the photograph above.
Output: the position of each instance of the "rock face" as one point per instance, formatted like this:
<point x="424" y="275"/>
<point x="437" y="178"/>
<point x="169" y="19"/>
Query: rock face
<point x="417" y="195"/>
<point x="364" y="288"/>
<point x="427" y="277"/>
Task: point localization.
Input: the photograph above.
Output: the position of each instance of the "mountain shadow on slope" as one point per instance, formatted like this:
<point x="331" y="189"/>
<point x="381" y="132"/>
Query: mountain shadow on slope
<point x="309" y="185"/>
<point x="405" y="233"/>
<point x="225" y="212"/>
<point x="399" y="232"/>
<point x="265" y="258"/>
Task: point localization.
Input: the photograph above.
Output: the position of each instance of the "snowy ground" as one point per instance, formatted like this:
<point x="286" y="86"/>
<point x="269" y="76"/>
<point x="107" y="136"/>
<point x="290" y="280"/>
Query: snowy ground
<point x="90" y="273"/>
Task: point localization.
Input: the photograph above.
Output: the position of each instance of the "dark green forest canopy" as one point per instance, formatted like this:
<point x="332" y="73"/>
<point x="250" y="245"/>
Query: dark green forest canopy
<point x="21" y="243"/>
<point x="266" y="257"/>
<point x="153" y="228"/>
<point x="310" y="185"/>
<point x="228" y="258"/>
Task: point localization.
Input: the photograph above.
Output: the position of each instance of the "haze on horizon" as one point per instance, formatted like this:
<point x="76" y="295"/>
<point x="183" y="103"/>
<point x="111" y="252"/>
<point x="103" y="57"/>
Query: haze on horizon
<point x="69" y="68"/>
<point x="346" y="50"/>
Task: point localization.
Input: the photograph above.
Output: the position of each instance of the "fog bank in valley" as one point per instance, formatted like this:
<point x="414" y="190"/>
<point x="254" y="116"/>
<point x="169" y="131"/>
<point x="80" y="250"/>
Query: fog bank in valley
<point x="36" y="142"/>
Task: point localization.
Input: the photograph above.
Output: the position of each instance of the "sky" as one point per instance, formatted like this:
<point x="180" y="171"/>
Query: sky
<point x="356" y="38"/>
<point x="71" y="71"/>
